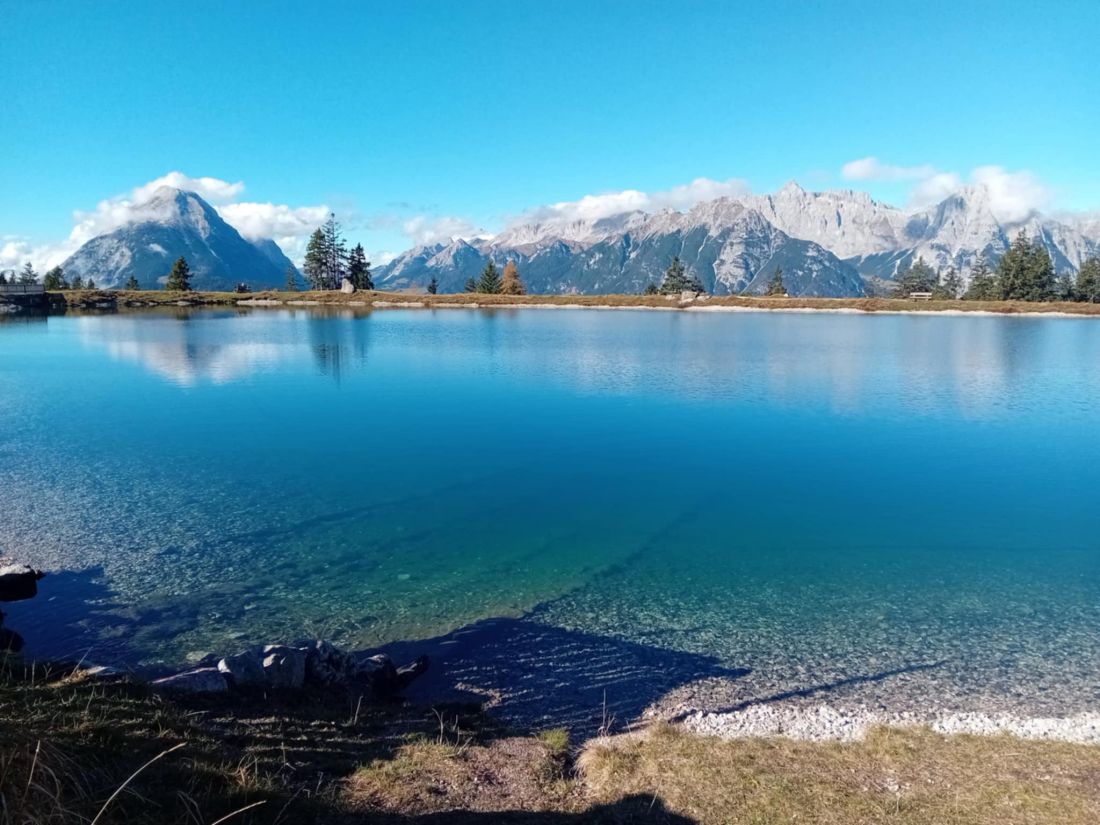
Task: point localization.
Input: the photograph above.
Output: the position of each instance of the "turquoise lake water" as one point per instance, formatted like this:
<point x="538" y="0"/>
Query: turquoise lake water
<point x="907" y="503"/>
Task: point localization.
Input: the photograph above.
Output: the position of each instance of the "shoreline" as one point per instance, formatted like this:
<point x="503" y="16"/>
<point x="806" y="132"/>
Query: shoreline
<point x="102" y="300"/>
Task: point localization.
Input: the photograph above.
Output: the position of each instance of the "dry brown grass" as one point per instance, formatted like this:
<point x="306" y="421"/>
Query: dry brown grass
<point x="79" y="298"/>
<point x="910" y="776"/>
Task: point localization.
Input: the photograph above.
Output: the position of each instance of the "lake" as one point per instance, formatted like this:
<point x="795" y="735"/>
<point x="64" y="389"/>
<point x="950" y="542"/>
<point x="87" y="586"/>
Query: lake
<point x="701" y="508"/>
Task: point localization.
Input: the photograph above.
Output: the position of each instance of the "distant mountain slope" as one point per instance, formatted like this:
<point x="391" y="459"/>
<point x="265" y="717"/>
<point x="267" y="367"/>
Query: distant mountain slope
<point x="827" y="243"/>
<point x="179" y="223"/>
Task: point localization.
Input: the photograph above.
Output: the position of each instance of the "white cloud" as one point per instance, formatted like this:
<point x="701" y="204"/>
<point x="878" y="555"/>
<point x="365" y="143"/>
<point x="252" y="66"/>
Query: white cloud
<point x="609" y="204"/>
<point x="213" y="190"/>
<point x="871" y="168"/>
<point x="288" y="226"/>
<point x="423" y="229"/>
<point x="1012" y="195"/>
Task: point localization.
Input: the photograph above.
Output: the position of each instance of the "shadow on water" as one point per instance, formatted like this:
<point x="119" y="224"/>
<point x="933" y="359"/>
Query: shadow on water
<point x="638" y="808"/>
<point x="535" y="675"/>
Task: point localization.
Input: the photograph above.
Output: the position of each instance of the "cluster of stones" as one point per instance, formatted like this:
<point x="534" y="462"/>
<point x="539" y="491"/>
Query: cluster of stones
<point x="287" y="668"/>
<point x="17" y="582"/>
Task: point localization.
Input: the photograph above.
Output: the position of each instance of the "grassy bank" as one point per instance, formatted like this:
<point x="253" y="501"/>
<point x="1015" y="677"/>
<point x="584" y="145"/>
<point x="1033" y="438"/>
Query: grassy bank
<point x="122" y="298"/>
<point x="68" y="743"/>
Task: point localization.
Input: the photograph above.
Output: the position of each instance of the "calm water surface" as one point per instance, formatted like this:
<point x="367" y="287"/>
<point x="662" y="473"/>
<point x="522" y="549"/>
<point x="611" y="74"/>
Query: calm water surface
<point x="809" y="498"/>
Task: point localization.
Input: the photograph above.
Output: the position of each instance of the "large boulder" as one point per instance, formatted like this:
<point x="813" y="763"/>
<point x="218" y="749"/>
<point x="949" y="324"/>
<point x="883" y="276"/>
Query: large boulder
<point x="284" y="667"/>
<point x="203" y="680"/>
<point x="18" y="581"/>
<point x="245" y="670"/>
<point x="326" y="664"/>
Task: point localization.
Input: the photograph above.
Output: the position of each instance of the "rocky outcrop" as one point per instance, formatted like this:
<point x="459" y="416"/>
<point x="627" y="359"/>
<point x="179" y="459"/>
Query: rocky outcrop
<point x="312" y="665"/>
<point x="17" y="582"/>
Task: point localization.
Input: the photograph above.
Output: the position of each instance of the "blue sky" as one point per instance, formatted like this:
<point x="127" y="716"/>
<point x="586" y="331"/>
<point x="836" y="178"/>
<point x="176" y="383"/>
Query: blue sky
<point x="415" y="119"/>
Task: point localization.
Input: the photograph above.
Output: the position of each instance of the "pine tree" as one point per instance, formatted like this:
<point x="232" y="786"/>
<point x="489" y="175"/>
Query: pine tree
<point x="983" y="284"/>
<point x="775" y="285"/>
<point x="91" y="284"/>
<point x="132" y="284"/>
<point x="433" y="286"/>
<point x="336" y="253"/>
<point x="489" y="282"/>
<point x="949" y="286"/>
<point x="315" y="264"/>
<point x="471" y="285"/>
<point x="651" y="289"/>
<point x="1088" y="281"/>
<point x="291" y="279"/>
<point x="179" y="279"/>
<point x="919" y="277"/>
<point x="675" y="280"/>
<point x="76" y="283"/>
<point x="28" y="275"/>
<point x="510" y="282"/>
<point x="1026" y="272"/>
<point x="54" y="279"/>
<point x="3" y="278"/>
<point x="359" y="268"/>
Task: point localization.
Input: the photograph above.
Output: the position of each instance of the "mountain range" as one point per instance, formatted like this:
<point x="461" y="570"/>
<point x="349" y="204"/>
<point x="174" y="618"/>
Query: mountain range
<point x="174" y="223"/>
<point x="836" y="243"/>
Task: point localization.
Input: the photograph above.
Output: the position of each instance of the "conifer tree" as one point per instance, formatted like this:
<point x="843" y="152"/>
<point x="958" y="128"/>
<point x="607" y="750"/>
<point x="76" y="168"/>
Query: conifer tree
<point x="983" y="284"/>
<point x="675" y="280"/>
<point x="919" y="277"/>
<point x="1025" y="271"/>
<point x="510" y="282"/>
<point x="433" y="286"/>
<point x="336" y="253"/>
<point x="315" y="264"/>
<point x="28" y="275"/>
<point x="949" y="285"/>
<point x="76" y="283"/>
<point x="3" y="278"/>
<point x="1088" y="281"/>
<point x="775" y="285"/>
<point x="359" y="268"/>
<point x="471" y="285"/>
<point x="651" y="289"/>
<point x="179" y="279"/>
<point x="91" y="284"/>
<point x="54" y="279"/>
<point x="291" y="279"/>
<point x="132" y="284"/>
<point x="489" y="282"/>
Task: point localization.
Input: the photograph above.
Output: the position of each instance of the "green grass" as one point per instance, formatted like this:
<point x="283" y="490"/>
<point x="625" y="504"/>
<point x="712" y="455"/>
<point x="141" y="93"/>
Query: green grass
<point x="69" y="747"/>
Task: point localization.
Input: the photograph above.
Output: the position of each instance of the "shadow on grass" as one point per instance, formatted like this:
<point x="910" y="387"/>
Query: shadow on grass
<point x="534" y="676"/>
<point x="643" y="809"/>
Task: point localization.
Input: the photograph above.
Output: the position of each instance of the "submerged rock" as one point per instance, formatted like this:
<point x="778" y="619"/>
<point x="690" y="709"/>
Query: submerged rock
<point x="204" y="680"/>
<point x="18" y="581"/>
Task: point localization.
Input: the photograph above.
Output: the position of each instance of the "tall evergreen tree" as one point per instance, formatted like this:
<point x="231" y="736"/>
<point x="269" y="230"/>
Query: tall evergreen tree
<point x="179" y="279"/>
<point x="291" y="279"/>
<point x="489" y="282"/>
<point x="54" y="279"/>
<point x="510" y="282"/>
<point x="983" y="283"/>
<point x="949" y="286"/>
<point x="775" y="285"/>
<point x="919" y="277"/>
<point x="1025" y="271"/>
<point x="132" y="284"/>
<point x="1088" y="281"/>
<point x="28" y="275"/>
<point x="359" y="268"/>
<point x="433" y="286"/>
<point x="337" y="253"/>
<point x="3" y="278"/>
<point x="316" y="265"/>
<point x="676" y="279"/>
<point x="471" y="285"/>
<point x="90" y="284"/>
<point x="76" y="283"/>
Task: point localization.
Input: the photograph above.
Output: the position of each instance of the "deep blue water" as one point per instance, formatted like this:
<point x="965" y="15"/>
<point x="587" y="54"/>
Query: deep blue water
<point x="794" y="494"/>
